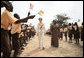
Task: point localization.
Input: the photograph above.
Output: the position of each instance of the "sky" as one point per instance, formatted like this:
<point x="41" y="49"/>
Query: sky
<point x="73" y="9"/>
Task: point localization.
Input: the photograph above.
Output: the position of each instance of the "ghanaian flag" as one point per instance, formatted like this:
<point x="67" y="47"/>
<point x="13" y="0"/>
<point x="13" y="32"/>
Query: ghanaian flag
<point x="41" y="13"/>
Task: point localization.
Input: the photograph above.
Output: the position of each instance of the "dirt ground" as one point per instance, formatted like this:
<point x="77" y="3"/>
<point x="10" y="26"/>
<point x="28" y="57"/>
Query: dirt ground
<point x="65" y="49"/>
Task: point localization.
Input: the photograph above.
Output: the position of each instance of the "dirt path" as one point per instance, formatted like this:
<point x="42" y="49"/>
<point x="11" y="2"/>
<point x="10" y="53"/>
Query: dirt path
<point x="65" y="49"/>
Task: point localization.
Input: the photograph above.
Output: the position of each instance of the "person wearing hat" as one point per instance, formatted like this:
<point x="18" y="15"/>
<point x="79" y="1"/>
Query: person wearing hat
<point x="76" y="33"/>
<point x="54" y="28"/>
<point x="40" y="34"/>
<point x="70" y="32"/>
<point x="6" y="20"/>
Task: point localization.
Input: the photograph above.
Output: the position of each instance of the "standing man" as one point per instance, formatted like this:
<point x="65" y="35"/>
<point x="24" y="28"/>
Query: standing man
<point x="16" y="29"/>
<point x="33" y="31"/>
<point x="29" y="33"/>
<point x="6" y="21"/>
<point x="61" y="33"/>
<point x="65" y="33"/>
<point x="82" y="32"/>
<point x="70" y="32"/>
<point x="40" y="33"/>
<point x="55" y="34"/>
<point x="76" y="33"/>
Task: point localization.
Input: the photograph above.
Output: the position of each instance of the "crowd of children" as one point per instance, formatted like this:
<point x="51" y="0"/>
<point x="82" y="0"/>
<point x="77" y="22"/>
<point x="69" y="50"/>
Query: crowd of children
<point x="72" y="31"/>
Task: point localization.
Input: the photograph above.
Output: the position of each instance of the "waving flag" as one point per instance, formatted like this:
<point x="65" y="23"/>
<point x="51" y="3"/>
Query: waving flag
<point x="41" y="13"/>
<point x="78" y="20"/>
<point x="31" y="6"/>
<point x="29" y="27"/>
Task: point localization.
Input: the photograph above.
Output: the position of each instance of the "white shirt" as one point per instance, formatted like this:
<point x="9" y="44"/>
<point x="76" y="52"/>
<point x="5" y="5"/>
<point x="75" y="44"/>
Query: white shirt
<point x="41" y="27"/>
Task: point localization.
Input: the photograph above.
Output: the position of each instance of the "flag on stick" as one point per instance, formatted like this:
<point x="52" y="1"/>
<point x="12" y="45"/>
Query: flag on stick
<point x="31" y="6"/>
<point x="78" y="20"/>
<point x="41" y="13"/>
<point x="29" y="27"/>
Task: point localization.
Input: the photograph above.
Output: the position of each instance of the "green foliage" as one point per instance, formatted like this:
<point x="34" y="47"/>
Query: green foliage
<point x="61" y="19"/>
